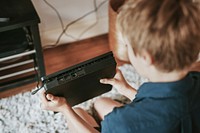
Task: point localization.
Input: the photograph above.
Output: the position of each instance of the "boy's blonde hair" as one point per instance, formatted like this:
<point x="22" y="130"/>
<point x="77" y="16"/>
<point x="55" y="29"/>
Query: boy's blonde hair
<point x="169" y="30"/>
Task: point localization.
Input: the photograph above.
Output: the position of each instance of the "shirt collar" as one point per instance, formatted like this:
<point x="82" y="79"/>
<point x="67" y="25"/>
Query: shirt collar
<point x="165" y="89"/>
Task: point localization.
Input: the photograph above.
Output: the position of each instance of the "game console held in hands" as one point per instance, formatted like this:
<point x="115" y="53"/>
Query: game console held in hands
<point x="81" y="82"/>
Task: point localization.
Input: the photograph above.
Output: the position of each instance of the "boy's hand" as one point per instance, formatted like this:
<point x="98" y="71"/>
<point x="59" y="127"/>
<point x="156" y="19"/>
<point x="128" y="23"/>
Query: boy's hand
<point x="120" y="84"/>
<point x="53" y="103"/>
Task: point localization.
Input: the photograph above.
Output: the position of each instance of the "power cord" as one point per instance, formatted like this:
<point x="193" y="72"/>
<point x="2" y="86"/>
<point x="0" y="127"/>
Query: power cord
<point x="96" y="8"/>
<point x="96" y="21"/>
<point x="38" y="81"/>
<point x="59" y="17"/>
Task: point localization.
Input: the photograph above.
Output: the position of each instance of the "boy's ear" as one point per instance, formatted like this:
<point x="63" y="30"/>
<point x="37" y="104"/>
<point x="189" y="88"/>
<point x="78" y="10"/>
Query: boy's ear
<point x="146" y="58"/>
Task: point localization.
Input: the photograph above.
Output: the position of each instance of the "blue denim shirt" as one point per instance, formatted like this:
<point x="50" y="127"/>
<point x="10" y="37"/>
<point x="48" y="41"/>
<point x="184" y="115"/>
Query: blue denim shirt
<point x="172" y="107"/>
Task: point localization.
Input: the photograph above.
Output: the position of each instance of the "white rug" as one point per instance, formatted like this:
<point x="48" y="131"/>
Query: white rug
<point x="22" y="113"/>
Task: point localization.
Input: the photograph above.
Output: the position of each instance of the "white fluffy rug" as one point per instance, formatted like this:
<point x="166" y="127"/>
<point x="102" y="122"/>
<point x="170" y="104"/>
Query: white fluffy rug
<point x="22" y="113"/>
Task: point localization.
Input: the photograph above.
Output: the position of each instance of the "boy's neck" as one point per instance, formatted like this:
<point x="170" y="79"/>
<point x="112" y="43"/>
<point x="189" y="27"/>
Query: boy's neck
<point x="167" y="76"/>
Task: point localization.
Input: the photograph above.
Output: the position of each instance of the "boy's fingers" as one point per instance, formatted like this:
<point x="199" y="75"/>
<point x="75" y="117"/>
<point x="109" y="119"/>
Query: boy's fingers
<point x="108" y="81"/>
<point x="43" y="100"/>
<point x="52" y="98"/>
<point x="43" y="95"/>
<point x="118" y="70"/>
<point x="49" y="97"/>
<point x="113" y="80"/>
<point x="104" y="81"/>
<point x="118" y="73"/>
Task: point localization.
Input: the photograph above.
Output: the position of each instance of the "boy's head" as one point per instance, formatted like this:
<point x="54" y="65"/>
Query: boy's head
<point x="167" y="30"/>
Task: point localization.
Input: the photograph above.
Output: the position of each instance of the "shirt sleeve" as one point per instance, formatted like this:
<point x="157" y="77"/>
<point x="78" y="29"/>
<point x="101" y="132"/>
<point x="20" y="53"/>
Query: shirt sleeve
<point x="138" y="118"/>
<point x="108" y="123"/>
<point x="117" y="121"/>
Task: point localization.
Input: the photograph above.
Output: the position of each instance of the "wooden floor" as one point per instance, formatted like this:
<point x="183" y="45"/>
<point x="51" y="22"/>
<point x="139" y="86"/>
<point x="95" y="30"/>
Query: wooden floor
<point x="71" y="54"/>
<point x="63" y="56"/>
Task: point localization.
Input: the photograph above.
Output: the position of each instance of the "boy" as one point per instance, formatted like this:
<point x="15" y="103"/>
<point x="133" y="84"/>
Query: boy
<point x="162" y="39"/>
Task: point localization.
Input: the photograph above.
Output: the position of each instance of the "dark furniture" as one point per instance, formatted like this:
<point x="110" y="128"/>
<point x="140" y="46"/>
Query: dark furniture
<point x="21" y="57"/>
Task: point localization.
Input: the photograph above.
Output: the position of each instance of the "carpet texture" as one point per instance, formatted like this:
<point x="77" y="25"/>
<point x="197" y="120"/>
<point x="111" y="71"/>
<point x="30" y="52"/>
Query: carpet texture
<point x="22" y="113"/>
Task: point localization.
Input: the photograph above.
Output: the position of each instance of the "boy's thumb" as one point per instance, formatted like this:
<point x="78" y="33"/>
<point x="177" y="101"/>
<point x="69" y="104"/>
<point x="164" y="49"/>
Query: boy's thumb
<point x="50" y="97"/>
<point x="104" y="81"/>
<point x="107" y="81"/>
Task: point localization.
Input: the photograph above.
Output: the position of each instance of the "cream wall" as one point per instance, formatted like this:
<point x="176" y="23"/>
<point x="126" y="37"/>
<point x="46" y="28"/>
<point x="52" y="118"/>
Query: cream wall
<point x="50" y="27"/>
